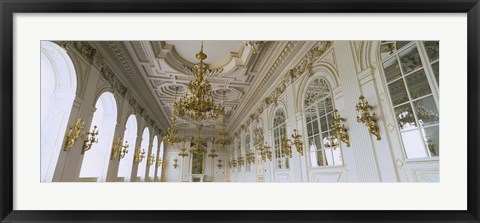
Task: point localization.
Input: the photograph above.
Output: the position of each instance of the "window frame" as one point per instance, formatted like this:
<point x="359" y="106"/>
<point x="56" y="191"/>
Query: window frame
<point x="282" y="156"/>
<point x="314" y="106"/>
<point x="434" y="87"/>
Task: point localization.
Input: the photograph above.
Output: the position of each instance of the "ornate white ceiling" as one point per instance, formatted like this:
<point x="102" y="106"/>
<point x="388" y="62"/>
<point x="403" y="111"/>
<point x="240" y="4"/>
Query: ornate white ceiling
<point x="236" y="67"/>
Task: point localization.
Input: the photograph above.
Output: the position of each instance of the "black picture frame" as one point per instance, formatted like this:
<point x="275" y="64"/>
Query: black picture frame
<point x="9" y="7"/>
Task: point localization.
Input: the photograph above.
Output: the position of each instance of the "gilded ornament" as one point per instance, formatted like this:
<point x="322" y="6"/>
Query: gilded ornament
<point x="90" y="139"/>
<point x="339" y="128"/>
<point x="73" y="134"/>
<point x="370" y="120"/>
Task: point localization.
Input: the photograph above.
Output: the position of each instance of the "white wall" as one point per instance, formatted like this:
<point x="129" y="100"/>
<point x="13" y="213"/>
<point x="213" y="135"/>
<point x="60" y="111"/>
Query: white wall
<point x="352" y="68"/>
<point x="89" y="80"/>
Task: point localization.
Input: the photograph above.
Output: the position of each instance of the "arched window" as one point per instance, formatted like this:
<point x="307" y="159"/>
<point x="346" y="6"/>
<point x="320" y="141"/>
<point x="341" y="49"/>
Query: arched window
<point x="95" y="160"/>
<point x="248" y="150"/>
<point x="130" y="137"/>
<point x="142" y="166"/>
<point x="322" y="141"/>
<point x="279" y="131"/>
<point x="411" y="75"/>
<point x="160" y="156"/>
<point x="58" y="88"/>
<point x="151" y="171"/>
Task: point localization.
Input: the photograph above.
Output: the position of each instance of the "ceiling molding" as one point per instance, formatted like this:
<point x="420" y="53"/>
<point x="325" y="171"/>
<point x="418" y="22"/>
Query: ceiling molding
<point x="230" y="64"/>
<point x="117" y="57"/>
<point x="288" y="51"/>
<point x="161" y="79"/>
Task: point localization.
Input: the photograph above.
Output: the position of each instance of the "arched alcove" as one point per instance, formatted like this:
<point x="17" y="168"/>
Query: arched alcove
<point x="58" y="89"/>
<point x="129" y="138"/>
<point x="95" y="160"/>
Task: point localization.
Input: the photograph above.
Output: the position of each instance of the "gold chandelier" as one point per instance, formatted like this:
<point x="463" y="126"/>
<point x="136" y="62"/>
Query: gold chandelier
<point x="198" y="146"/>
<point x="171" y="136"/>
<point x="198" y="104"/>
<point x="223" y="140"/>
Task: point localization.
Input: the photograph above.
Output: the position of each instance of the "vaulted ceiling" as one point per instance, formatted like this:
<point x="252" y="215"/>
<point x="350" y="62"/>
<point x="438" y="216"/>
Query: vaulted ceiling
<point x="241" y="69"/>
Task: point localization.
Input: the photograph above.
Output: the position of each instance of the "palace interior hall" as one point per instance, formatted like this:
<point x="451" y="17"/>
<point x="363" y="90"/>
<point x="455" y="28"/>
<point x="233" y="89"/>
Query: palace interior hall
<point x="239" y="111"/>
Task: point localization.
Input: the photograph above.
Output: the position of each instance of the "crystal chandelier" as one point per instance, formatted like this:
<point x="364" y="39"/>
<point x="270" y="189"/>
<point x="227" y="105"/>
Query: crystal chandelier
<point x="198" y="105"/>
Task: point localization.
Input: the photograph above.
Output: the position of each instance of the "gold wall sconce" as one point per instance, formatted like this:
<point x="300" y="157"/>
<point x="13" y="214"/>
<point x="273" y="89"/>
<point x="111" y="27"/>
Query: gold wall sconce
<point x="212" y="154"/>
<point x="183" y="152"/>
<point x="158" y="162"/>
<point x="175" y="163"/>
<point x="370" y="120"/>
<point x="297" y="142"/>
<point x="229" y="164"/>
<point x="219" y="165"/>
<point x="287" y="147"/>
<point x="240" y="161"/>
<point x="139" y="155"/>
<point x="151" y="159"/>
<point x="90" y="139"/>
<point x="250" y="158"/>
<point x="119" y="150"/>
<point x="124" y="150"/>
<point x="234" y="163"/>
<point x="339" y="128"/>
<point x="261" y="151"/>
<point x="267" y="152"/>
<point x="116" y="148"/>
<point x="73" y="134"/>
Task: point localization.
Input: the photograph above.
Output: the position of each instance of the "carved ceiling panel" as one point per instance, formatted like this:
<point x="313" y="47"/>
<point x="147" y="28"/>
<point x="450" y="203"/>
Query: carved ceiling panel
<point x="238" y="68"/>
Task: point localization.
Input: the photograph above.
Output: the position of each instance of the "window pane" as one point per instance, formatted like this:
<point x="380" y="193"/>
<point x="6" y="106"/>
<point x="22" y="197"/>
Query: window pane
<point x="328" y="104"/>
<point x="398" y="93"/>
<point x="330" y="120"/>
<point x="392" y="69"/>
<point x="337" y="155"/>
<point x="329" y="157"/>
<point x="432" y="48"/>
<point x="309" y="129"/>
<point x="313" y="115"/>
<point x="405" y="117"/>
<point x="310" y="141"/>
<point x="432" y="140"/>
<point x="427" y="112"/>
<point x="410" y="59"/>
<point x="414" y="144"/>
<point x="313" y="158"/>
<point x="435" y="71"/>
<point x="323" y="122"/>
<point x="320" y="158"/>
<point x="318" y="142"/>
<point x="400" y="44"/>
<point x="308" y="115"/>
<point x="418" y="84"/>
<point x="321" y="108"/>
<point x="326" y="140"/>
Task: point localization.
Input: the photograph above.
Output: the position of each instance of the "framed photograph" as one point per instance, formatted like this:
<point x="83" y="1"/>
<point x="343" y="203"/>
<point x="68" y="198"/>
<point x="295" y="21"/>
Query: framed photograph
<point x="201" y="111"/>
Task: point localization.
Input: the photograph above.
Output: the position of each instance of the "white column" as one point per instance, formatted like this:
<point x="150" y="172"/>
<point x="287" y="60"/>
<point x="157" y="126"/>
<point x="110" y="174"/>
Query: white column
<point x="360" y="138"/>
